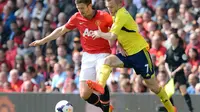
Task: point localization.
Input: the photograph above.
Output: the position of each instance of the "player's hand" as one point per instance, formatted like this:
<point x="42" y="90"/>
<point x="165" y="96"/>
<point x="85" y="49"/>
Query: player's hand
<point x="121" y="50"/>
<point x="37" y="43"/>
<point x="173" y="74"/>
<point x="97" y="33"/>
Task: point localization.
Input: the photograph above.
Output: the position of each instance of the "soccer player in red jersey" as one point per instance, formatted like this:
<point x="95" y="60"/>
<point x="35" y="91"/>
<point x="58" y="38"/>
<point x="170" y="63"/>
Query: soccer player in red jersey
<point x="87" y="20"/>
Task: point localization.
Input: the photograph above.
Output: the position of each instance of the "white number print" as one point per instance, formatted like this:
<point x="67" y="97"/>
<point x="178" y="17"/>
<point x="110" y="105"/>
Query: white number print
<point x="88" y="32"/>
<point x="147" y="68"/>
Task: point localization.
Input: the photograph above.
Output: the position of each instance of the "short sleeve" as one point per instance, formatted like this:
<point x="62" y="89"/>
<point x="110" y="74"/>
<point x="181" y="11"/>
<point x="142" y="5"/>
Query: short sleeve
<point x="184" y="58"/>
<point x="71" y="24"/>
<point x="166" y="57"/>
<point x="119" y="21"/>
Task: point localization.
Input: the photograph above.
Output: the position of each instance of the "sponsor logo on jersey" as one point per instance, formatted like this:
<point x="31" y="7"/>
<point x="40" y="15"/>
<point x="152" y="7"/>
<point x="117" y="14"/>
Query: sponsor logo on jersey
<point x="87" y="32"/>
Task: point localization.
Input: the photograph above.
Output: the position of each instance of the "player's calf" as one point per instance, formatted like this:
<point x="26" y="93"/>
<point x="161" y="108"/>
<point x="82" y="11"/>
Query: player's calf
<point x="153" y="86"/>
<point x="87" y="94"/>
<point x="186" y="96"/>
<point x="105" y="100"/>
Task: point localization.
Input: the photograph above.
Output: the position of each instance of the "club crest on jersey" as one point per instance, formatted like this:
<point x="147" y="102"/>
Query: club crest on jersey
<point x="97" y="22"/>
<point x="176" y="58"/>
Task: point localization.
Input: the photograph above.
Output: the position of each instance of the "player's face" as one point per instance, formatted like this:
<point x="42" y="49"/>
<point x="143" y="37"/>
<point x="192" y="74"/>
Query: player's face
<point x="83" y="9"/>
<point x="173" y="39"/>
<point x="112" y="7"/>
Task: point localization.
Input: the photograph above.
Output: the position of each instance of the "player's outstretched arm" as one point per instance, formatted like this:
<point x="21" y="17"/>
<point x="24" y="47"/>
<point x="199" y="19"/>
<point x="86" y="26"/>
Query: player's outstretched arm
<point x="108" y="36"/>
<point x="54" y="35"/>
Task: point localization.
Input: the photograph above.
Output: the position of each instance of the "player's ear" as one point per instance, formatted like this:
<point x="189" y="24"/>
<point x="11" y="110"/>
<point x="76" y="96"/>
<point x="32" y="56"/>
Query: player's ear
<point x="90" y="5"/>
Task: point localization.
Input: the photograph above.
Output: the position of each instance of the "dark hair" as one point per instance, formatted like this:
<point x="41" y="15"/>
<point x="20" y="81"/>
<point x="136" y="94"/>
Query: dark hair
<point x="69" y="67"/>
<point x="87" y="2"/>
<point x="1" y="19"/>
<point x="180" y="41"/>
<point x="13" y="22"/>
<point x="196" y="52"/>
<point x="30" y="69"/>
<point x="144" y="3"/>
<point x="125" y="76"/>
<point x="55" y="89"/>
<point x="30" y="55"/>
<point x="45" y="20"/>
<point x="166" y="21"/>
<point x="3" y="50"/>
<point x="114" y="82"/>
<point x="40" y="2"/>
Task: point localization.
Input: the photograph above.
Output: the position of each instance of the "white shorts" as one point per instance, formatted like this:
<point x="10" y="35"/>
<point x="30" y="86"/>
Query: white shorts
<point x="91" y="64"/>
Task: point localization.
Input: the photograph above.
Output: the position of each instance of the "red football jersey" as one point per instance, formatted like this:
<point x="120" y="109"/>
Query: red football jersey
<point x="86" y="28"/>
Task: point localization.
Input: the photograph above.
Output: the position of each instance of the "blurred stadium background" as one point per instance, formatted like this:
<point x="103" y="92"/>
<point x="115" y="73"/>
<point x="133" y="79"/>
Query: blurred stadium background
<point x="23" y="21"/>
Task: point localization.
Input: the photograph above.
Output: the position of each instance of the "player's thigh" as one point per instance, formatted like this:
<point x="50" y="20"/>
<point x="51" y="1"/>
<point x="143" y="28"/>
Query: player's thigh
<point x="88" y="67"/>
<point x="142" y="64"/>
<point x="87" y="74"/>
<point x="101" y="60"/>
<point x="116" y="60"/>
<point x="180" y="78"/>
<point x="182" y="81"/>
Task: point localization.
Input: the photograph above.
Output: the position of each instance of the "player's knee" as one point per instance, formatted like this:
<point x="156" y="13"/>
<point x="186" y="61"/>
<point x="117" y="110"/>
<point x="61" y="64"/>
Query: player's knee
<point x="85" y="91"/>
<point x="155" y="89"/>
<point x="84" y="94"/>
<point x="183" y="89"/>
<point x="152" y="85"/>
<point x="109" y="60"/>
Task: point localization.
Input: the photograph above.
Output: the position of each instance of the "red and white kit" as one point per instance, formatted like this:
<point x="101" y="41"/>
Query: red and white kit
<point x="94" y="50"/>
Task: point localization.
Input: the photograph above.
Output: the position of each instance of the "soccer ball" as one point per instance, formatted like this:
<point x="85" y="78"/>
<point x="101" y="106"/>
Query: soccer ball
<point x="63" y="106"/>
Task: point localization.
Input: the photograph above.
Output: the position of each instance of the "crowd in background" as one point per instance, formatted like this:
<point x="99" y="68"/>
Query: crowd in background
<point x="55" y="67"/>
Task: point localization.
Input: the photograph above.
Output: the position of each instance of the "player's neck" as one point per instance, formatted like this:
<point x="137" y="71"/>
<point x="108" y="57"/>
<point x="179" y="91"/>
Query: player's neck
<point x="118" y="7"/>
<point x="92" y="14"/>
<point x="174" y="46"/>
<point x="156" y="46"/>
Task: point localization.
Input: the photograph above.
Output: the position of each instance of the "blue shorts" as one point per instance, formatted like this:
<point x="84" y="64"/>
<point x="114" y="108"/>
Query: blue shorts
<point x="141" y="62"/>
